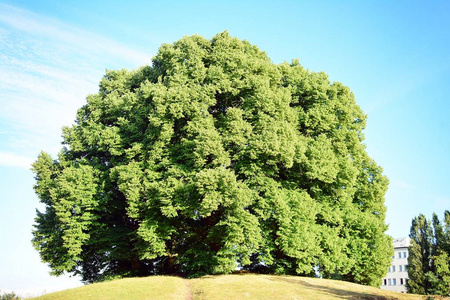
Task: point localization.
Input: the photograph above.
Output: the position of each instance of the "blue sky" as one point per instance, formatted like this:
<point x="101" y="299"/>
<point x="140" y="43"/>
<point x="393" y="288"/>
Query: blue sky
<point x="392" y="54"/>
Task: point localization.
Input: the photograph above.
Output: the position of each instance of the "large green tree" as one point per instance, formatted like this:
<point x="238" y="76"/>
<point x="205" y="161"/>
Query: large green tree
<point x="214" y="158"/>
<point x="429" y="256"/>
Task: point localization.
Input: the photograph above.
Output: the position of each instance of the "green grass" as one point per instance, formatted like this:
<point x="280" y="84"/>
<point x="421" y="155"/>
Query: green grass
<point x="251" y="286"/>
<point x="155" y="287"/>
<point x="242" y="286"/>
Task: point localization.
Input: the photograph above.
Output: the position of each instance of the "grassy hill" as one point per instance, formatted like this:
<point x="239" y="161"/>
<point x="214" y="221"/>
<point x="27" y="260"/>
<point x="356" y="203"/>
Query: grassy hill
<point x="243" y="286"/>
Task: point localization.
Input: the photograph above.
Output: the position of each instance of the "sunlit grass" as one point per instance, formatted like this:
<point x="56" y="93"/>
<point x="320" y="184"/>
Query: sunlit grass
<point x="242" y="286"/>
<point x="251" y="286"/>
<point x="155" y="287"/>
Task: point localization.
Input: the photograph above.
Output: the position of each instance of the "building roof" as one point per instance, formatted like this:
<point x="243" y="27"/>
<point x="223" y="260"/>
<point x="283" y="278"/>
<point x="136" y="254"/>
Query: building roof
<point x="401" y="242"/>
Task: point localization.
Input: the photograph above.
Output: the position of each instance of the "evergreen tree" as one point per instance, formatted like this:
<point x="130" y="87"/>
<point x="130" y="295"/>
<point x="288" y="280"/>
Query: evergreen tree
<point x="419" y="255"/>
<point x="428" y="261"/>
<point x="210" y="159"/>
<point x="441" y="258"/>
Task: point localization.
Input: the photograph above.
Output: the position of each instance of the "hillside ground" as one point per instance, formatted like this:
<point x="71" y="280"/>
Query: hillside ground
<point x="238" y="286"/>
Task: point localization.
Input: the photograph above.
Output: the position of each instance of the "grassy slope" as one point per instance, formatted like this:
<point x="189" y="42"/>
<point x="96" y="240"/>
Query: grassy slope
<point x="250" y="286"/>
<point x="245" y="286"/>
<point x="155" y="287"/>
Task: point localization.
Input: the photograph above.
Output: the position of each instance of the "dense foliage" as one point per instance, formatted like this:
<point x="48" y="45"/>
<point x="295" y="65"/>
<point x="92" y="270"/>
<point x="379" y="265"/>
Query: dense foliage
<point x="429" y="256"/>
<point x="211" y="159"/>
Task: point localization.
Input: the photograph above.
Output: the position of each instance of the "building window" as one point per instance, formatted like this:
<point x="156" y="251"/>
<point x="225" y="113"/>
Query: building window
<point x="401" y="281"/>
<point x="393" y="256"/>
<point x="406" y="270"/>
<point x="404" y="254"/>
<point x="389" y="281"/>
<point x="394" y="281"/>
<point x="384" y="281"/>
<point x="393" y="268"/>
<point x="400" y="268"/>
<point x="399" y="255"/>
<point x="389" y="270"/>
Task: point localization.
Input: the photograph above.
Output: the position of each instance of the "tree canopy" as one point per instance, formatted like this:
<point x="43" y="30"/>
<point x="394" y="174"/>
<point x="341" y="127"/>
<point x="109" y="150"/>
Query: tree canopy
<point x="214" y="158"/>
<point x="429" y="256"/>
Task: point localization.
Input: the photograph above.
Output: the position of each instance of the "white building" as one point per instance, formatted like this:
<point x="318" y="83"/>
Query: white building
<point x="397" y="275"/>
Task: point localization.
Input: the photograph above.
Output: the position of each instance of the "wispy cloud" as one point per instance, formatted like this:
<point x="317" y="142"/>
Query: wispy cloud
<point x="47" y="68"/>
<point x="52" y="29"/>
<point x="401" y="184"/>
<point x="14" y="160"/>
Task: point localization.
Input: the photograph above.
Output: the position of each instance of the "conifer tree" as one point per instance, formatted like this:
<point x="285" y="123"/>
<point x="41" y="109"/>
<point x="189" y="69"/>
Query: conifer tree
<point x="429" y="253"/>
<point x="420" y="250"/>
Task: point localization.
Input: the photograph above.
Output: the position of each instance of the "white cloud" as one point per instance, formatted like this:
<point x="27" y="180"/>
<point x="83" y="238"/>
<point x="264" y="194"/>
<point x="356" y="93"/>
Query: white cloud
<point x="52" y="29"/>
<point x="401" y="184"/>
<point x="47" y="68"/>
<point x="60" y="283"/>
<point x="14" y="160"/>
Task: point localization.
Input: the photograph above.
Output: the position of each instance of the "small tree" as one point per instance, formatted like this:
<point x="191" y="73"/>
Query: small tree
<point x="419" y="255"/>
<point x="428" y="261"/>
<point x="9" y="296"/>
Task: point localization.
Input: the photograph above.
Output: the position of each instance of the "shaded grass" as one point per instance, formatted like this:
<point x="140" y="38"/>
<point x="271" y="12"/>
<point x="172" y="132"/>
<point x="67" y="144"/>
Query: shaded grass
<point x="242" y="286"/>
